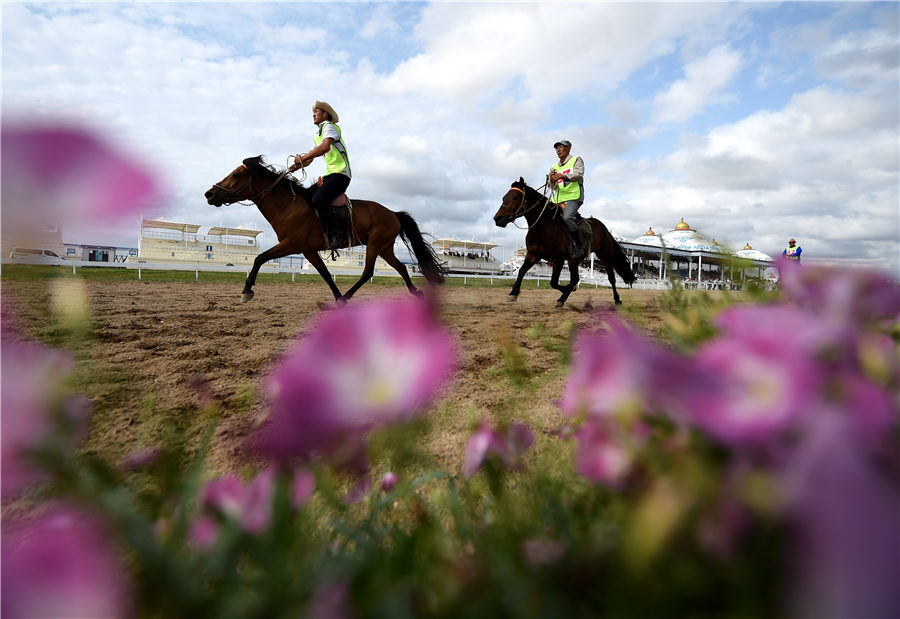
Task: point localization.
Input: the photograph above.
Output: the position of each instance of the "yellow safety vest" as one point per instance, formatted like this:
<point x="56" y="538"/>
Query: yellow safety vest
<point x="566" y="190"/>
<point x="336" y="159"/>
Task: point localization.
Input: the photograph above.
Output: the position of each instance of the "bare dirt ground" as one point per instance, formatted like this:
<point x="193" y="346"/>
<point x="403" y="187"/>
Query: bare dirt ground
<point x="151" y="345"/>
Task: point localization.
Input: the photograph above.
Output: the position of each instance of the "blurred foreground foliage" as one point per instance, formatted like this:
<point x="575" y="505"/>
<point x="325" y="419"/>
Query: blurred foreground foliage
<point x="690" y="530"/>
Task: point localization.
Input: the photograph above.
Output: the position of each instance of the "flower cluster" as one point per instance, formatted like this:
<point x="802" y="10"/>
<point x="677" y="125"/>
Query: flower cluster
<point x="227" y="499"/>
<point x="357" y="368"/>
<point x="506" y="447"/>
<point x="803" y="391"/>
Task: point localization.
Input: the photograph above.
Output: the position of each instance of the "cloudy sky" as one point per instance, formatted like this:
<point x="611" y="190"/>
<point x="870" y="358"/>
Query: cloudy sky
<point x="754" y="122"/>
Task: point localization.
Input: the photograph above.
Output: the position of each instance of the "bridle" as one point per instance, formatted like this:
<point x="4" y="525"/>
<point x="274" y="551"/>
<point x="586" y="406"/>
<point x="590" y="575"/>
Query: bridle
<point x="248" y="184"/>
<point x="525" y="207"/>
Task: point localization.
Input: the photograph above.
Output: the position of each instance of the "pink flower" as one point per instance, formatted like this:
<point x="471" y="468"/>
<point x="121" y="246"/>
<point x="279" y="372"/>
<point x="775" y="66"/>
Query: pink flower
<point x="361" y="366"/>
<point x="849" y="296"/>
<point x="31" y="378"/>
<point x="247" y="504"/>
<point x="360" y="489"/>
<point x="62" y="565"/>
<point x="389" y="481"/>
<point x="601" y="454"/>
<point x="873" y="411"/>
<point x="752" y="382"/>
<point x="845" y="546"/>
<point x="250" y="505"/>
<point x="62" y="173"/>
<point x="204" y="532"/>
<point x="303" y="486"/>
<point x="618" y="370"/>
<point x="507" y="447"/>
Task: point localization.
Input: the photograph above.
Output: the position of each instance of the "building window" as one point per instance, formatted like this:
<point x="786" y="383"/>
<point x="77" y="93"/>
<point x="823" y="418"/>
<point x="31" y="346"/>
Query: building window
<point x="209" y="248"/>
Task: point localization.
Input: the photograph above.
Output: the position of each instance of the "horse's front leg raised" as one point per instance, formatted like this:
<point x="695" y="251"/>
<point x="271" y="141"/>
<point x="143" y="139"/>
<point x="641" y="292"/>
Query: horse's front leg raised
<point x="529" y="262"/>
<point x="277" y="251"/>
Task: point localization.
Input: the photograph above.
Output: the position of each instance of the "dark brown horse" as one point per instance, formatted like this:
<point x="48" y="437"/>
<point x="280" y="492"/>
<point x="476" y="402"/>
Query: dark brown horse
<point x="547" y="239"/>
<point x="285" y="205"/>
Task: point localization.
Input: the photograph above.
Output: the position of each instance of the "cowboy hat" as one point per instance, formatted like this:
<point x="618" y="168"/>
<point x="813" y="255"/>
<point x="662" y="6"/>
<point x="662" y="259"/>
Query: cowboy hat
<point x="326" y="108"/>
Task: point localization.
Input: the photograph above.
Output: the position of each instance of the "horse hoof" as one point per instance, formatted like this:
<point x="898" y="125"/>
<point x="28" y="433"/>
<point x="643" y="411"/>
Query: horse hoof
<point x="246" y="297"/>
<point x="418" y="294"/>
<point x="618" y="302"/>
<point x="560" y="303"/>
<point x="512" y="298"/>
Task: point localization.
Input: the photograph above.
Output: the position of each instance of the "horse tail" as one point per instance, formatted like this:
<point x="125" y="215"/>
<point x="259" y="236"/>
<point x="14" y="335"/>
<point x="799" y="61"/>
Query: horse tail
<point x="619" y="260"/>
<point x="428" y="261"/>
<point x="623" y="268"/>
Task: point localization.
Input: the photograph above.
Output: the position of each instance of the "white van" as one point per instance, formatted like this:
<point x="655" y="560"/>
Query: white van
<point x="36" y="256"/>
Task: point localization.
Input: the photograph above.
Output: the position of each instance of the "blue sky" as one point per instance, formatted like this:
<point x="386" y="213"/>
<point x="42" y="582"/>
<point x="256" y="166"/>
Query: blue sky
<point x="754" y="122"/>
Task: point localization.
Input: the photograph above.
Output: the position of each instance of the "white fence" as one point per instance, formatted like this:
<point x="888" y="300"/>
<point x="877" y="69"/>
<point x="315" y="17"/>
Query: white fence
<point x="597" y="280"/>
<point x="197" y="268"/>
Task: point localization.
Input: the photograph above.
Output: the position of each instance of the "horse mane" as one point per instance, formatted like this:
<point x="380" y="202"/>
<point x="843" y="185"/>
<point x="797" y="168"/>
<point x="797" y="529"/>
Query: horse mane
<point x="528" y="189"/>
<point x="295" y="186"/>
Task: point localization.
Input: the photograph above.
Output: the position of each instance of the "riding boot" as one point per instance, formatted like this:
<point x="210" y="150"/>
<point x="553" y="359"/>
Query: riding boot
<point x="333" y="229"/>
<point x="577" y="242"/>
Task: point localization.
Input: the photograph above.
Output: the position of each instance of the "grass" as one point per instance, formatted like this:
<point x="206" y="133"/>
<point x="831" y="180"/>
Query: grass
<point x="19" y="272"/>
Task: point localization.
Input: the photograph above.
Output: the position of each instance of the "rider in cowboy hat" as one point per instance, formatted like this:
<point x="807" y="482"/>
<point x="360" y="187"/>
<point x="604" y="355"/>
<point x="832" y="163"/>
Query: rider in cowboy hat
<point x="328" y="143"/>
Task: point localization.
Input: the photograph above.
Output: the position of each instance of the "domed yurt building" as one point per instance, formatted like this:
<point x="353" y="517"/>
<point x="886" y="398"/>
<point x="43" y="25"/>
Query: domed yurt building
<point x="687" y="255"/>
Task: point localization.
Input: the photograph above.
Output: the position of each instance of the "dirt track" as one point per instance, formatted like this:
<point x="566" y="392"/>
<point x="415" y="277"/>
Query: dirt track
<point x="152" y="344"/>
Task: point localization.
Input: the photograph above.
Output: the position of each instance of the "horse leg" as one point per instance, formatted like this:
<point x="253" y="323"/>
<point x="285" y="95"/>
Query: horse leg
<point x="277" y="251"/>
<point x="609" y="265"/>
<point x="315" y="259"/>
<point x="611" y="274"/>
<point x="368" y="272"/>
<point x="391" y="259"/>
<point x="573" y="281"/>
<point x="527" y="263"/>
<point x="554" y="282"/>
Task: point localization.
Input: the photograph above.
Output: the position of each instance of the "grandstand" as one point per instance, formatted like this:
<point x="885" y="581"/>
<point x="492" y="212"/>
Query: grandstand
<point x="468" y="257"/>
<point x="163" y="241"/>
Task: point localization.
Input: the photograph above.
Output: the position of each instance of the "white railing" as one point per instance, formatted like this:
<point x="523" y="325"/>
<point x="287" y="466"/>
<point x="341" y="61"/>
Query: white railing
<point x="597" y="281"/>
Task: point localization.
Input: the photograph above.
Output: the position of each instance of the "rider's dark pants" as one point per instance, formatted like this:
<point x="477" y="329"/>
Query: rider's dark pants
<point x="333" y="185"/>
<point x="570" y="211"/>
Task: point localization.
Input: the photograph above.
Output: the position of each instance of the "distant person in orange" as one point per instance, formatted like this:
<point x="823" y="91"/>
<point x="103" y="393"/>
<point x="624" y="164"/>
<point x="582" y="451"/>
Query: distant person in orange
<point x="792" y="251"/>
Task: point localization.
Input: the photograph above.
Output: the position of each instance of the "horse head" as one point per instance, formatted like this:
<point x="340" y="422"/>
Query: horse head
<point x="236" y="186"/>
<point x="513" y="204"/>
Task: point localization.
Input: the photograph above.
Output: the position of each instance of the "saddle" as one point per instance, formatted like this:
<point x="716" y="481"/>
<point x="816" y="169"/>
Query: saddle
<point x="575" y="250"/>
<point x="584" y="250"/>
<point x="336" y="223"/>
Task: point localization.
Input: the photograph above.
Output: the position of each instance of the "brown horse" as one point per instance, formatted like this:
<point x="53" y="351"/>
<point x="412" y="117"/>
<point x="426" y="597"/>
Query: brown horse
<point x="285" y="205"/>
<point x="547" y="239"/>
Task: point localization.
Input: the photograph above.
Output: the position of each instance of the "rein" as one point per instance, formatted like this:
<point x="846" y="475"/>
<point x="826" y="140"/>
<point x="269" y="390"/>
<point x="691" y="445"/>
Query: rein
<point x="249" y="185"/>
<point x="526" y="207"/>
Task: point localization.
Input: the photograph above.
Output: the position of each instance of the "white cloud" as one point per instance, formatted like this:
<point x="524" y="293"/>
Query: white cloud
<point x="443" y="105"/>
<point x="704" y="80"/>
